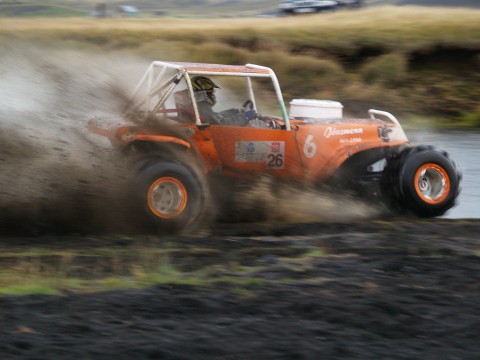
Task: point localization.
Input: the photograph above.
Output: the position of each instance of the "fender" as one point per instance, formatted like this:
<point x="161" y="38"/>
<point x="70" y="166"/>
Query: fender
<point x="126" y="134"/>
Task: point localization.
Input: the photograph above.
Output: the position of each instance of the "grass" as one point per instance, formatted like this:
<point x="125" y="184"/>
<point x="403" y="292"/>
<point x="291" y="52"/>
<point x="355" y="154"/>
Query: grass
<point x="137" y="263"/>
<point x="39" y="276"/>
<point x="315" y="253"/>
<point x="408" y="27"/>
<point x="417" y="62"/>
<point x="32" y="277"/>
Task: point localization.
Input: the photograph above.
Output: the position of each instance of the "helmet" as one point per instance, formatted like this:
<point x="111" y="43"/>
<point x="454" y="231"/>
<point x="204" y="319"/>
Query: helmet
<point x="202" y="83"/>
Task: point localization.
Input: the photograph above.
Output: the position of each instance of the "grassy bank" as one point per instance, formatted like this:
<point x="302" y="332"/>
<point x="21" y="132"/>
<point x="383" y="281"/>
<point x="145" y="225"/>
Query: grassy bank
<point x="417" y="62"/>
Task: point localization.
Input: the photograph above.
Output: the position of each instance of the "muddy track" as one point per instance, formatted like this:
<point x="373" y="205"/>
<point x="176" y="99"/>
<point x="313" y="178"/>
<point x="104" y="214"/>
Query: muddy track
<point x="373" y="290"/>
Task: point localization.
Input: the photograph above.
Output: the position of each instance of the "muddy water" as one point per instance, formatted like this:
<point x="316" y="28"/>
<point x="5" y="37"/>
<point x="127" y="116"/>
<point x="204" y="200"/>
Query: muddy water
<point x="464" y="149"/>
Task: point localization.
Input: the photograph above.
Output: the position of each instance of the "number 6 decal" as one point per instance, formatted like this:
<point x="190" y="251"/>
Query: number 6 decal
<point x="309" y="149"/>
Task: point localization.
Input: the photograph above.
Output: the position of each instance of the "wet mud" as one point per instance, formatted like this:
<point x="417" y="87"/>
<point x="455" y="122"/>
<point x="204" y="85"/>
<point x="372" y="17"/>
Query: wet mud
<point x="378" y="289"/>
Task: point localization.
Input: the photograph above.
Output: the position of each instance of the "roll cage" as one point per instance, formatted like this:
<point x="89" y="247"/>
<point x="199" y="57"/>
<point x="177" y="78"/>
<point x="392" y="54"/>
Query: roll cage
<point x="161" y="78"/>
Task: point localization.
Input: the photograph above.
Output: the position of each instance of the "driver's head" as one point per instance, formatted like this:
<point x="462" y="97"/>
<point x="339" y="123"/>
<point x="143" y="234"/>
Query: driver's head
<point x="202" y="83"/>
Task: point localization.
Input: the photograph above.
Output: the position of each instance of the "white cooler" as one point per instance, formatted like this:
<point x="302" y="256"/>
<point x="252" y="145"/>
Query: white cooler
<point x="315" y="109"/>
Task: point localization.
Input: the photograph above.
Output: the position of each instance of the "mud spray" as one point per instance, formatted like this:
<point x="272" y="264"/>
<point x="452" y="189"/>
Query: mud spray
<point x="272" y="201"/>
<point x="56" y="177"/>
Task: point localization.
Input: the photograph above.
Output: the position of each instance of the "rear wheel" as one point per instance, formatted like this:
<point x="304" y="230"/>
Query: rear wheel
<point x="172" y="196"/>
<point x="422" y="181"/>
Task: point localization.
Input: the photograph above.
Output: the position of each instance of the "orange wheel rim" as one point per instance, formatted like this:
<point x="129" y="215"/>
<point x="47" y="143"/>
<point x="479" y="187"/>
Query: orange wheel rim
<point x="167" y="197"/>
<point x="432" y="183"/>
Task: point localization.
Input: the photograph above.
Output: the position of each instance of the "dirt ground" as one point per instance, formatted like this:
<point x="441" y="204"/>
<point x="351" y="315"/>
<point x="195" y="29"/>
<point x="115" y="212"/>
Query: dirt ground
<point x="396" y="289"/>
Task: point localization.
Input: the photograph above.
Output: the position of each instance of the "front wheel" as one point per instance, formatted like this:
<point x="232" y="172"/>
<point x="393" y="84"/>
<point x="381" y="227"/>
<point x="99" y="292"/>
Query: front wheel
<point x="172" y="196"/>
<point x="423" y="181"/>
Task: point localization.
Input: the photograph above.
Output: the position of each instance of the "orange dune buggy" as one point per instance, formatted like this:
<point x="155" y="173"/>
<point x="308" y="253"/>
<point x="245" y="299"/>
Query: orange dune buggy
<point x="178" y="151"/>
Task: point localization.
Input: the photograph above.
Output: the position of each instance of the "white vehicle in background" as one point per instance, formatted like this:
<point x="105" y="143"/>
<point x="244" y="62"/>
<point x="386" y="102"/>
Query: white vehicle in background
<point x="349" y="3"/>
<point x="299" y="6"/>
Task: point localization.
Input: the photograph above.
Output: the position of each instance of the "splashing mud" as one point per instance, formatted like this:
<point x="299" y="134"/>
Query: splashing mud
<point x="274" y="201"/>
<point x="54" y="175"/>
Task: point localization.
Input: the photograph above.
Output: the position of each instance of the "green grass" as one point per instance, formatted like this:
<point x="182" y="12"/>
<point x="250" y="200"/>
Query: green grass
<point x="37" y="276"/>
<point x="49" y="269"/>
<point x="314" y="253"/>
<point x="32" y="278"/>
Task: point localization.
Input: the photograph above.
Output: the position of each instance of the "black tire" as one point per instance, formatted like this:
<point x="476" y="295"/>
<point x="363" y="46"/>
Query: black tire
<point x="172" y="195"/>
<point x="422" y="181"/>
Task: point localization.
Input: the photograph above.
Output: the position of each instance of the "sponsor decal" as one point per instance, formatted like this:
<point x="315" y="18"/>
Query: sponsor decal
<point x="350" y="141"/>
<point x="331" y="131"/>
<point x="276" y="146"/>
<point x="272" y="153"/>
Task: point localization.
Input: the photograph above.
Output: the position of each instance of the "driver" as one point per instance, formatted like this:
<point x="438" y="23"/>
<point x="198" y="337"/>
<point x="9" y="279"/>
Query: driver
<point x="204" y="90"/>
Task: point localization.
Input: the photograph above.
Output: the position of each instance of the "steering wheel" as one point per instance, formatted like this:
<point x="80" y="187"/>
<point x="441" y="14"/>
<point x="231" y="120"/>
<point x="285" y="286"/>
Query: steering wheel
<point x="251" y="114"/>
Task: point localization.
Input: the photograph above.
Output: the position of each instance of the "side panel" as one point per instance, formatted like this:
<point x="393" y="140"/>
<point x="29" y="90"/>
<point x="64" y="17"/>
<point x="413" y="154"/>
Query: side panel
<point x="244" y="152"/>
<point x="324" y="147"/>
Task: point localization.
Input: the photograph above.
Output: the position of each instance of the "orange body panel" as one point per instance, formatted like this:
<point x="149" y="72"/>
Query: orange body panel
<point x="244" y="152"/>
<point x="126" y="134"/>
<point x="325" y="147"/>
<point x="310" y="151"/>
<point x="307" y="152"/>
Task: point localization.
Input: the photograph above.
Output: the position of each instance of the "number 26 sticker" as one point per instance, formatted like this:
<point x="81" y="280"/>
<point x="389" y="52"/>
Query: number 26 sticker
<point x="275" y="161"/>
<point x="309" y="149"/>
